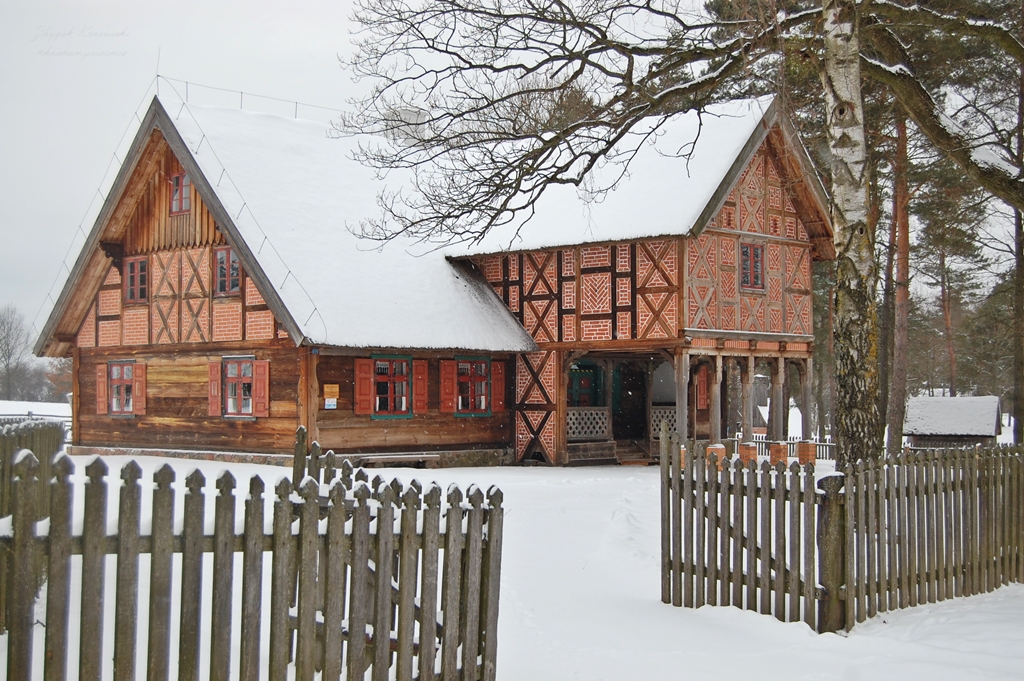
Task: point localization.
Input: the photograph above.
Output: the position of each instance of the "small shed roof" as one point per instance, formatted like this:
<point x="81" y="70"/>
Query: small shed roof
<point x="967" y="416"/>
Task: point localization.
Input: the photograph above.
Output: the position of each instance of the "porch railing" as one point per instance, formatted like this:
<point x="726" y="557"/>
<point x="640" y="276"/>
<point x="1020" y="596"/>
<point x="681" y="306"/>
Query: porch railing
<point x="589" y="423"/>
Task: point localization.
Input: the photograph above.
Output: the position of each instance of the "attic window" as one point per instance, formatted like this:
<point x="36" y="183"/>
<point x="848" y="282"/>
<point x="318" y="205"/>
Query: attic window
<point x="752" y="266"/>
<point x="181" y="194"/>
<point x="136" y="280"/>
<point x="228" y="273"/>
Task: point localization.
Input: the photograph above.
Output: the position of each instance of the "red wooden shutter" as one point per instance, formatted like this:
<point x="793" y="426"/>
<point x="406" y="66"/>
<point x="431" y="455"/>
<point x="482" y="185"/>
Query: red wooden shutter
<point x="139" y="389"/>
<point x="498" y="386"/>
<point x="419" y="386"/>
<point x="214" y="390"/>
<point x="102" y="403"/>
<point x="449" y="384"/>
<point x="363" y="403"/>
<point x="261" y="387"/>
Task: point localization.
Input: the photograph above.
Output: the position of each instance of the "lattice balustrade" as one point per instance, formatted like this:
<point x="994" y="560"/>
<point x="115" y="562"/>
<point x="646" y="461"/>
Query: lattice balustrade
<point x="588" y="423"/>
<point x="659" y="414"/>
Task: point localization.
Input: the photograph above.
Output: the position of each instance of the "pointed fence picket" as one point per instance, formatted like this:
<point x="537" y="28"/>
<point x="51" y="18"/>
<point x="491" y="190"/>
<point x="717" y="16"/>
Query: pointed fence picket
<point x="366" y="577"/>
<point x="922" y="527"/>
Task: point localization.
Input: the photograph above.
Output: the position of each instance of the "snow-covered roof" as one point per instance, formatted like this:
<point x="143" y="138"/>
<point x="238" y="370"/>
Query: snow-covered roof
<point x="291" y="193"/>
<point x="669" y="186"/>
<point x="974" y="416"/>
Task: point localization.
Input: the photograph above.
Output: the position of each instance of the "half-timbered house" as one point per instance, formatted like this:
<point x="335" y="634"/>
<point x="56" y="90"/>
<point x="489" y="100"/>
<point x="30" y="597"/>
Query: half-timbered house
<point x="222" y="300"/>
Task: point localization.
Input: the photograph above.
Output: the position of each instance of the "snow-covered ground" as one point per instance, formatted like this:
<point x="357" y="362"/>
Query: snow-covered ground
<point x="580" y="597"/>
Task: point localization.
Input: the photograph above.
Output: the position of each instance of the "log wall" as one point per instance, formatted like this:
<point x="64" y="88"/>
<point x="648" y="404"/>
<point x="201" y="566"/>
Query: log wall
<point x="343" y="430"/>
<point x="177" y="400"/>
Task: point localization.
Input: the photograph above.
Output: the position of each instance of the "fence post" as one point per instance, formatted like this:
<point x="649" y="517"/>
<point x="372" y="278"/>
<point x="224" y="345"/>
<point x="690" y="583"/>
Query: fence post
<point x="831" y="558"/>
<point x="24" y="577"/>
<point x="299" y="460"/>
<point x="666" y="584"/>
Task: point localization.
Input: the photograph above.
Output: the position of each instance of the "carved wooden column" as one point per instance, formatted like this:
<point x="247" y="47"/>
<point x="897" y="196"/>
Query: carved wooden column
<point x="716" y="402"/>
<point x="806" y="383"/>
<point x="778" y="397"/>
<point x="682" y="367"/>
<point x="747" y="397"/>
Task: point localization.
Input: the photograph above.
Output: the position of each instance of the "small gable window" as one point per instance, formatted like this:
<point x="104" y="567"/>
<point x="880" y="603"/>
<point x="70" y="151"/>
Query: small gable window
<point x="136" y="280"/>
<point x="752" y="266"/>
<point x="228" y="272"/>
<point x="181" y="193"/>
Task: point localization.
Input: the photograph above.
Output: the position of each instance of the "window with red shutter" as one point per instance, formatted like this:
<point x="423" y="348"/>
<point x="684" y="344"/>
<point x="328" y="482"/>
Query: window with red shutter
<point x="391" y="394"/>
<point x="473" y="387"/>
<point x="121" y="390"/>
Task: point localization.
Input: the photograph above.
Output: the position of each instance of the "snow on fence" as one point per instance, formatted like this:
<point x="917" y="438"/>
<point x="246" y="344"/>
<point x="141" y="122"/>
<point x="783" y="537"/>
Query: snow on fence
<point x="884" y="535"/>
<point x="367" y="577"/>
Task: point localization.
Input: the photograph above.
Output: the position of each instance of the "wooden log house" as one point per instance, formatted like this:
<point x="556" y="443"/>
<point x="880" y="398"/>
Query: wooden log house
<point x="222" y="298"/>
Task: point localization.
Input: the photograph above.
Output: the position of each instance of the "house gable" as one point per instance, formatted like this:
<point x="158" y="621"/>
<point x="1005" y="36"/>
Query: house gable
<point x="137" y="221"/>
<point x="762" y="210"/>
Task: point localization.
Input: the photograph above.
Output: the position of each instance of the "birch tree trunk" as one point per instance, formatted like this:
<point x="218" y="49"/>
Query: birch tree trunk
<point x="901" y="222"/>
<point x="856" y="332"/>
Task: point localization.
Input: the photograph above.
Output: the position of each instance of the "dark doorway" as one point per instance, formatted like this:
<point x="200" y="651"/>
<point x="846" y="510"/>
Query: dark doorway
<point x="629" y="406"/>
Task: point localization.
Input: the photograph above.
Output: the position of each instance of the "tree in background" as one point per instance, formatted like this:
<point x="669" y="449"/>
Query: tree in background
<point x="22" y="376"/>
<point x="949" y="255"/>
<point x="14" y="352"/>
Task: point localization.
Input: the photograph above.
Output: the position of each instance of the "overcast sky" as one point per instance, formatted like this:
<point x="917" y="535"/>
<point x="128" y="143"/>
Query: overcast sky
<point x="72" y="75"/>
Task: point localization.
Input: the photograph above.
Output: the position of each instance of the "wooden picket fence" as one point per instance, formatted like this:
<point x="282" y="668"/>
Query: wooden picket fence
<point x="396" y="582"/>
<point x="881" y="536"/>
<point x="930" y="526"/>
<point x="44" y="437"/>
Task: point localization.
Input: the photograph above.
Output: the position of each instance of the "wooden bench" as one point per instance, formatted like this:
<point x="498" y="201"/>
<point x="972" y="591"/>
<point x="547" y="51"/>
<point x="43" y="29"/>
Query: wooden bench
<point x="414" y="460"/>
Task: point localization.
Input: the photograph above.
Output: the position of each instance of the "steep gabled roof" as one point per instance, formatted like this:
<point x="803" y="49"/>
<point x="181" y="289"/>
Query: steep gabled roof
<point x="967" y="416"/>
<point x="284" y="194"/>
<point x="676" y="182"/>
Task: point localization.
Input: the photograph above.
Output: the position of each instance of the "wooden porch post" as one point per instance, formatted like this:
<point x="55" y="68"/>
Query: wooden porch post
<point x="806" y="381"/>
<point x="716" y="402"/>
<point x="747" y="393"/>
<point x="778" y="408"/>
<point x="608" y="367"/>
<point x="682" y="368"/>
